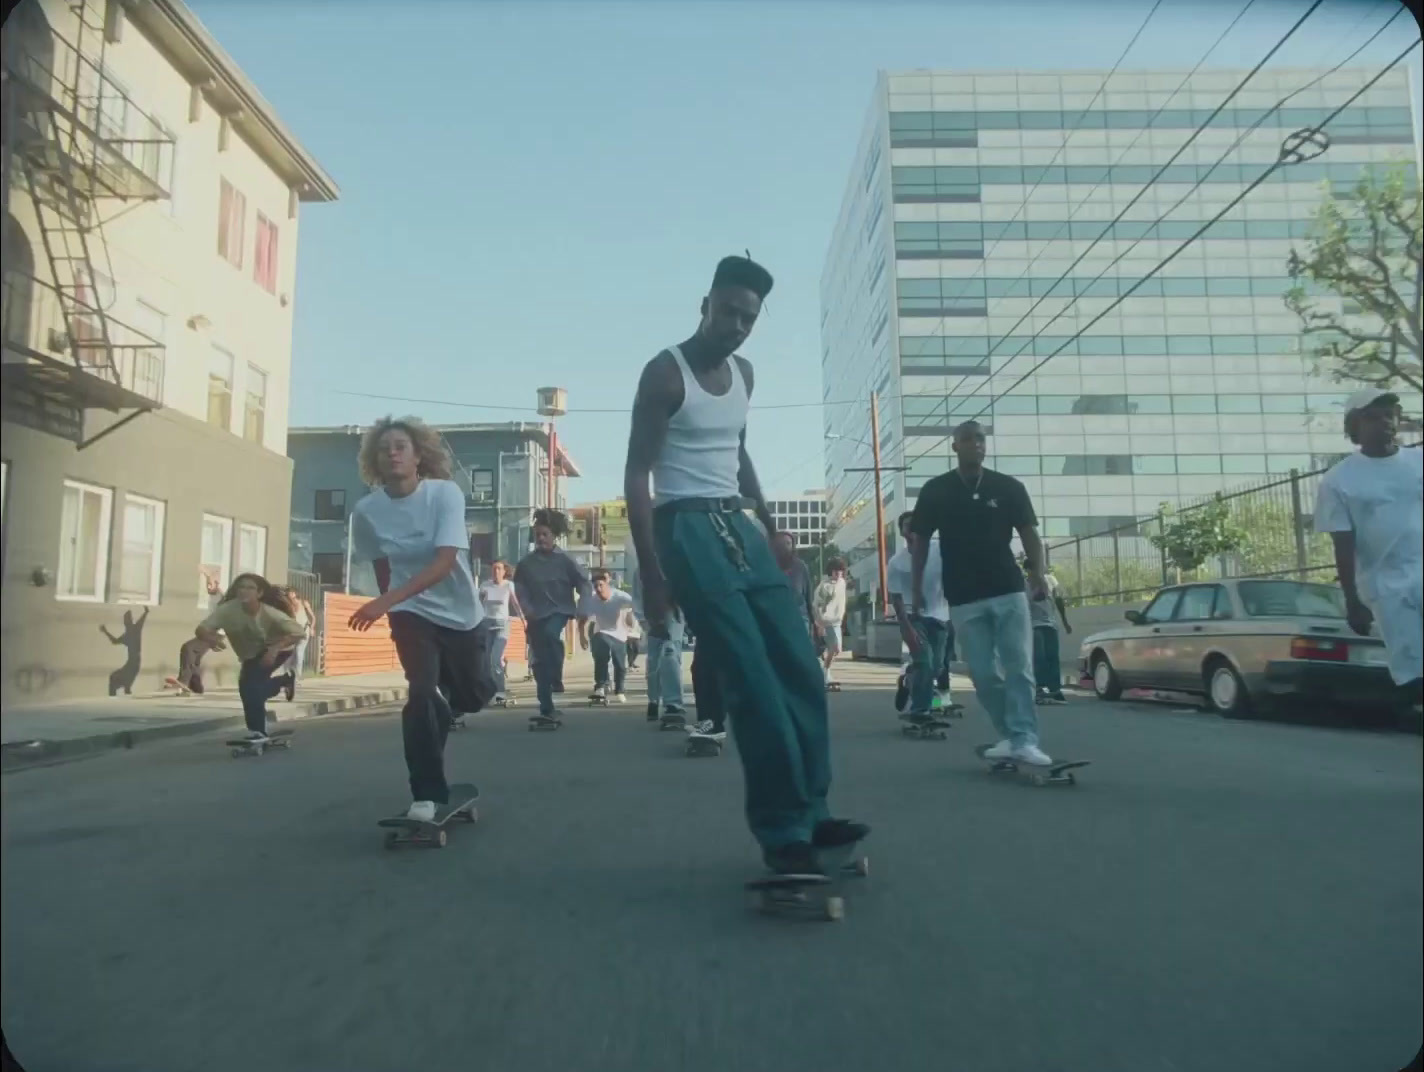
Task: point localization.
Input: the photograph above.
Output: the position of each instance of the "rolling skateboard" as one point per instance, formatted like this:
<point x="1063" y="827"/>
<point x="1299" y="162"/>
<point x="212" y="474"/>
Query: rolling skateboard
<point x="505" y="701"/>
<point x="177" y="686"/>
<point x="946" y="709"/>
<point x="406" y="831"/>
<point x="1057" y="773"/>
<point x="673" y="722"/>
<point x="241" y="746"/>
<point x="596" y="700"/>
<point x="833" y="686"/>
<point x="927" y="729"/>
<point x="701" y="745"/>
<point x="817" y="896"/>
<point x="545" y="722"/>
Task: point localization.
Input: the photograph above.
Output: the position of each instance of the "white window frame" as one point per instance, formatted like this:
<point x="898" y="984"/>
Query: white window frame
<point x="214" y="351"/>
<point x="101" y="551"/>
<point x="224" y="567"/>
<point x="255" y="374"/>
<point x="260" y="568"/>
<point x="155" y="572"/>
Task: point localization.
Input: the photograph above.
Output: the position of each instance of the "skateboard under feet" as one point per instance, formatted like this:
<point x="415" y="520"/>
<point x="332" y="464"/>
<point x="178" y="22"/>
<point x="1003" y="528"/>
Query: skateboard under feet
<point x="432" y="834"/>
<point x="672" y="722"/>
<point x="505" y="701"/>
<point x="241" y="746"/>
<point x="1058" y="773"/>
<point x="700" y="745"/>
<point x="815" y="896"/>
<point x="545" y="722"/>
<point x="833" y="686"/>
<point x="929" y="729"/>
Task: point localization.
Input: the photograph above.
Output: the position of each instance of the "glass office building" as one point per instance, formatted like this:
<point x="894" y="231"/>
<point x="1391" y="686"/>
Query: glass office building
<point x="976" y="239"/>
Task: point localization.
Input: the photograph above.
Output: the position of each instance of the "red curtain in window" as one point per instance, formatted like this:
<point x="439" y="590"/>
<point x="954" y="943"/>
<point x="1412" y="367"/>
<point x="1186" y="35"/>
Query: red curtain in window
<point x="264" y="269"/>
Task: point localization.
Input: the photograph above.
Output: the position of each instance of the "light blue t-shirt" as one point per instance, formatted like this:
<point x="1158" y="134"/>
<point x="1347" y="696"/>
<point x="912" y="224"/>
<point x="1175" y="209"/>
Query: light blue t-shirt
<point x="406" y="532"/>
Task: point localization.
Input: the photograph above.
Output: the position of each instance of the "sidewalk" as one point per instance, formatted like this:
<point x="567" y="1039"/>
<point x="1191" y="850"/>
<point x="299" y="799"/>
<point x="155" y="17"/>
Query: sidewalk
<point x="43" y="733"/>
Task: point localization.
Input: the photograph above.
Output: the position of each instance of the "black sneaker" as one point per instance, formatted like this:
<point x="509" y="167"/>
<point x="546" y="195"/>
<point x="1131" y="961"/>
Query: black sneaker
<point x="290" y="687"/>
<point x="833" y="833"/>
<point x="902" y="693"/>
<point x="652" y="712"/>
<point x="796" y="858"/>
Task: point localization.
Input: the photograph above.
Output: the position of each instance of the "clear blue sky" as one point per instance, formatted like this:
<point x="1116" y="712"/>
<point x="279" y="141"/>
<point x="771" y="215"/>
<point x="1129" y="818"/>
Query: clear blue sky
<point x="535" y="193"/>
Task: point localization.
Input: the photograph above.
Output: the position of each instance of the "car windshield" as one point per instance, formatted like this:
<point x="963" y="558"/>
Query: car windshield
<point x="1291" y="599"/>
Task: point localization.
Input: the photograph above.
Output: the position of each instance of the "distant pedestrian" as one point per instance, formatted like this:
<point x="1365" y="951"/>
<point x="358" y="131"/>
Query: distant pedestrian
<point x="609" y="614"/>
<point x="501" y="606"/>
<point x="798" y="575"/>
<point x="253" y="617"/>
<point x="1047" y="661"/>
<point x="665" y="645"/>
<point x="412" y="528"/>
<point x="552" y="588"/>
<point x="306" y="618"/>
<point x="829" y="606"/>
<point x="925" y="631"/>
<point x="1372" y="504"/>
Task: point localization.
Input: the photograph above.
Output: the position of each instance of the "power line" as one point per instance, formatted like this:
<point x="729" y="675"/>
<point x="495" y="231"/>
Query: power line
<point x="1284" y="159"/>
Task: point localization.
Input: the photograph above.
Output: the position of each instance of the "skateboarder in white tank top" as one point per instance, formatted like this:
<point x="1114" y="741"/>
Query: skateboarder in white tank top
<point x="697" y="549"/>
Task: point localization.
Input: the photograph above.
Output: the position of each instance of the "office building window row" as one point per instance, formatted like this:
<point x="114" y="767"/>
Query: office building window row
<point x="1005" y="346"/>
<point x="983" y="287"/>
<point x="909" y="128"/>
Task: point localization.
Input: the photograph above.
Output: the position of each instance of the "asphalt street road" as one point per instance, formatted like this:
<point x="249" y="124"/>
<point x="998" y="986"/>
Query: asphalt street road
<point x="1211" y="896"/>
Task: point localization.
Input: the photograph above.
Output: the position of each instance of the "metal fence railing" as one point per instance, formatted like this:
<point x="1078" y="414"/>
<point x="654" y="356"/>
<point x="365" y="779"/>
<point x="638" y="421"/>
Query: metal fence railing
<point x="1122" y="563"/>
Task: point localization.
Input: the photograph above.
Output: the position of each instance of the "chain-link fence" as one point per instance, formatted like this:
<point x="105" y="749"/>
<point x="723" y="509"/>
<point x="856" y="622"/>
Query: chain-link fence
<point x="1278" y="539"/>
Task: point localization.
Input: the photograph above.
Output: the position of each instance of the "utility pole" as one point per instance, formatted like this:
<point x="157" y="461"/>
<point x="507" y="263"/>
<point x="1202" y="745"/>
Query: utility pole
<point x="878" y="469"/>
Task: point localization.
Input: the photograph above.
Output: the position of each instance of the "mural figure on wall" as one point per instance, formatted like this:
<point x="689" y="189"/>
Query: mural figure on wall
<point x="131" y="639"/>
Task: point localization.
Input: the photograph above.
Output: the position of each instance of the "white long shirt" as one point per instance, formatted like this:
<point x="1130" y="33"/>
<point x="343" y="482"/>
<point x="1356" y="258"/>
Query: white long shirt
<point x="900" y="577"/>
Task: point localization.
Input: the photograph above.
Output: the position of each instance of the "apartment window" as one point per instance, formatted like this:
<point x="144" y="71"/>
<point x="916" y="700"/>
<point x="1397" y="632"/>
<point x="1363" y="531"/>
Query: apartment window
<point x="232" y="218"/>
<point x="85" y="515"/>
<point x="147" y="376"/>
<point x="330" y="568"/>
<point x="482" y="485"/>
<point x="264" y="259"/>
<point x="330" y="505"/>
<point x="215" y="553"/>
<point x="88" y="326"/>
<point x="251" y="549"/>
<point x="141" y="551"/>
<point x="254" y="416"/>
<point x="220" y="366"/>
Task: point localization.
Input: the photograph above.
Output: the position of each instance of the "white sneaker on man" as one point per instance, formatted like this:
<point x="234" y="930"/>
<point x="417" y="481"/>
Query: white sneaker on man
<point x="1033" y="755"/>
<point x="422" y="811"/>
<point x="1002" y="750"/>
<point x="620" y="697"/>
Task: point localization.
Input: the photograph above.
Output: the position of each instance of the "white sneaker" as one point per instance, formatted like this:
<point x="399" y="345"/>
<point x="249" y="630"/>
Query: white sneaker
<point x="1032" y="754"/>
<point x="704" y="727"/>
<point x="422" y="811"/>
<point x="1002" y="750"/>
<point x="256" y="735"/>
<point x="599" y="692"/>
<point x="620" y="697"/>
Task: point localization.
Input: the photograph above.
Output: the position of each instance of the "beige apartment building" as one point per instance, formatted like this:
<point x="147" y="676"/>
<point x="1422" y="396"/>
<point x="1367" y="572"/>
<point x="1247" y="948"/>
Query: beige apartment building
<point x="151" y="204"/>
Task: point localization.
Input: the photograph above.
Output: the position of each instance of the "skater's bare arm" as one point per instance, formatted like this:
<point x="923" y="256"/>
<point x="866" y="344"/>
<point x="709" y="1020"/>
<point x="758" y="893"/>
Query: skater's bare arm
<point x="659" y="397"/>
<point x="1360" y="617"/>
<point x="747" y="481"/>
<point x="440" y="568"/>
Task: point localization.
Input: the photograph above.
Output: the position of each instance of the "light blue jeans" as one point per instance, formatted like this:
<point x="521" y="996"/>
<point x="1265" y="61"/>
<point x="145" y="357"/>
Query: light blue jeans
<point x="665" y="665"/>
<point x="994" y="637"/>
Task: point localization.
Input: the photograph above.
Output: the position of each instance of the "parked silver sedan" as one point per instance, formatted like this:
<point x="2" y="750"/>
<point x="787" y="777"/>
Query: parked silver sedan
<point x="1238" y="643"/>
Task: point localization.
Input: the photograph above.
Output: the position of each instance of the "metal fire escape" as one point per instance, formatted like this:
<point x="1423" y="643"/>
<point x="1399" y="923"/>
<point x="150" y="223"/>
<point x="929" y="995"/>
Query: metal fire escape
<point x="79" y="146"/>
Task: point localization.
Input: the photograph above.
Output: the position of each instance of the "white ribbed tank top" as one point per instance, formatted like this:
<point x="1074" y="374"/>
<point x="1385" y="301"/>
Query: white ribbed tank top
<point x="700" y="457"/>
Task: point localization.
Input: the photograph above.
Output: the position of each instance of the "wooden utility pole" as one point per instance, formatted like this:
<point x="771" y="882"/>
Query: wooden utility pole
<point x="879" y="503"/>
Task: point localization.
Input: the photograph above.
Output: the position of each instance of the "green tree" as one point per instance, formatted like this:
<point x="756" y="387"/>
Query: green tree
<point x="1269" y="541"/>
<point x="1191" y="537"/>
<point x="1364" y="248"/>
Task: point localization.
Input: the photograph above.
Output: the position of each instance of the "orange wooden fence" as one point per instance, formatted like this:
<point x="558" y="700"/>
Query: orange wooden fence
<point x="345" y="651"/>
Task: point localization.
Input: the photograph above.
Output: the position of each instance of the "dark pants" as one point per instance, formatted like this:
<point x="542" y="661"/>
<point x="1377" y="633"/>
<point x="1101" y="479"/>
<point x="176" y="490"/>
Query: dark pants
<point x="546" y="641"/>
<point x="634" y="649"/>
<point x="436" y="658"/>
<point x="256" y="685"/>
<point x="707" y="689"/>
<point x="606" y="650"/>
<point x="942" y="671"/>
<point x="721" y="572"/>
<point x="925" y="663"/>
<point x="1047" y="670"/>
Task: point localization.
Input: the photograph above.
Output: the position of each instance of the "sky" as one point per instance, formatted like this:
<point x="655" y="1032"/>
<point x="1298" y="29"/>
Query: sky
<point x="535" y="193"/>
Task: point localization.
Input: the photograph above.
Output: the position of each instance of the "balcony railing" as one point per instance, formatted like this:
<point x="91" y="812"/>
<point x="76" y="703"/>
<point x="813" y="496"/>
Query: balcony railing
<point x="69" y="106"/>
<point x="38" y="328"/>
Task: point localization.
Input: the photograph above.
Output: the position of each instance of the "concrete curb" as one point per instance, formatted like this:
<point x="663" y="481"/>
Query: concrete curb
<point x="37" y="753"/>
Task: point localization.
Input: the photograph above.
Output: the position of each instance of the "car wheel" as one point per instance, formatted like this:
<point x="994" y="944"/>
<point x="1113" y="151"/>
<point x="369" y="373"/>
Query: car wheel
<point x="1225" y="691"/>
<point x="1105" y="679"/>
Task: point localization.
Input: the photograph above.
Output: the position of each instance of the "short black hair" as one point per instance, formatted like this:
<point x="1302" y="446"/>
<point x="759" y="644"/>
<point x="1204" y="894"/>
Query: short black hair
<point x="965" y="426"/>
<point x="834" y="564"/>
<point x="553" y="520"/>
<point x="742" y="272"/>
<point x="602" y="575"/>
<point x="900" y="521"/>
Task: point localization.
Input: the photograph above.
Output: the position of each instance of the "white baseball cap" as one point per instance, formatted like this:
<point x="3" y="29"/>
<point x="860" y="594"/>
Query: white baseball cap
<point x="1368" y="397"/>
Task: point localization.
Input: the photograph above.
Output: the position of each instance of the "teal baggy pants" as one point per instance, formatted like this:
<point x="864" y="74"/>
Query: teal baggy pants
<point x="721" y="572"/>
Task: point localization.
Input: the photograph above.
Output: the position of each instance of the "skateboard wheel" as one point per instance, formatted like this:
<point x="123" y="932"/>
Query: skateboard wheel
<point x="835" y="909"/>
<point x="862" y="867"/>
<point x="440" y="838"/>
<point x="392" y="840"/>
<point x="237" y="753"/>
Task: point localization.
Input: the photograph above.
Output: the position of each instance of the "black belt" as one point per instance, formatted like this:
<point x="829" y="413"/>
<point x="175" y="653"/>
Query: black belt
<point x="733" y="505"/>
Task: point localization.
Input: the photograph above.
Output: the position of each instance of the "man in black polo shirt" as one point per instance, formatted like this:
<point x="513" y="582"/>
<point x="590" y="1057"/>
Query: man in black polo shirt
<point x="976" y="512"/>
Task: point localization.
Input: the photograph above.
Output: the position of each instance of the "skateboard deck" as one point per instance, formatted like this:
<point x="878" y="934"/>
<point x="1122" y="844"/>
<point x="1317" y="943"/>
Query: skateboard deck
<point x="930" y="729"/>
<point x="815" y="895"/>
<point x="545" y="722"/>
<point x="241" y="746"/>
<point x="673" y="722"/>
<point x="507" y="701"/>
<point x="833" y="686"/>
<point x="407" y="831"/>
<point x="1060" y="772"/>
<point x="702" y="744"/>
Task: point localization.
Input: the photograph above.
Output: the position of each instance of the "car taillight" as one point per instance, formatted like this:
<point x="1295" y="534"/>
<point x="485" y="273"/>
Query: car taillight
<point x="1320" y="649"/>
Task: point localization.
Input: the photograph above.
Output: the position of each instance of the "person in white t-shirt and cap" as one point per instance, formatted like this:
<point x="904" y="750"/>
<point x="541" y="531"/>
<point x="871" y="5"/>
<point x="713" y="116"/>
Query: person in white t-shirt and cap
<point x="1372" y="505"/>
<point x="925" y="633"/>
